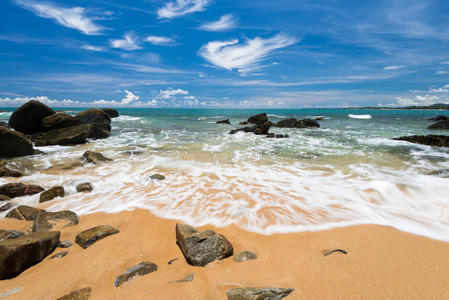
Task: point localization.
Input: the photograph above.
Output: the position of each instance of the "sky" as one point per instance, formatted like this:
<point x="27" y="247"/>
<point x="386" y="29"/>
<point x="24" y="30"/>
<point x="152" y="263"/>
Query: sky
<point x="224" y="54"/>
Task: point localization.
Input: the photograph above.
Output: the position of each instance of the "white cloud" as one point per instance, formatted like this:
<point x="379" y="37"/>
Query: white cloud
<point x="130" y="97"/>
<point x="444" y="62"/>
<point x="129" y="42"/>
<point x="226" y="22"/>
<point x="93" y="48"/>
<point x="15" y="102"/>
<point x="159" y="40"/>
<point x="442" y="72"/>
<point x="393" y="67"/>
<point x="74" y="17"/>
<point x="245" y="57"/>
<point x="181" y="7"/>
<point x="165" y="94"/>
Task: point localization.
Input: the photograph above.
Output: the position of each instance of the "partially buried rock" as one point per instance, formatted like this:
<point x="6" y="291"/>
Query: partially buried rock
<point x="201" y="248"/>
<point x="59" y="120"/>
<point x="45" y="220"/>
<point x="6" y="207"/>
<point x="84" y="187"/>
<point x="65" y="244"/>
<point x="244" y="256"/>
<point x="4" y="198"/>
<point x="255" y="293"/>
<point x="113" y="113"/>
<point x="140" y="270"/>
<point x="17" y="255"/>
<point x="157" y="177"/>
<point x="441" y="125"/>
<point x="24" y="212"/>
<point x="81" y="294"/>
<point x="223" y="122"/>
<point x="9" y="234"/>
<point x="258" y="119"/>
<point x="14" y="143"/>
<point x="430" y="140"/>
<point x="56" y="191"/>
<point x="188" y="278"/>
<point x="60" y="254"/>
<point x="73" y="135"/>
<point x="19" y="189"/>
<point x="94" y="157"/>
<point x="28" y="118"/>
<point x="92" y="235"/>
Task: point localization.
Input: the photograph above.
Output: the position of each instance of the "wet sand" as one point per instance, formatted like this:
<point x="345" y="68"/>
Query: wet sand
<point x="382" y="263"/>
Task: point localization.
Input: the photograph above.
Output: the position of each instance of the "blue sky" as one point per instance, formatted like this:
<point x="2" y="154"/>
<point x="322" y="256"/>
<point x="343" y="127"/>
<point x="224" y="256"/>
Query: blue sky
<point x="210" y="53"/>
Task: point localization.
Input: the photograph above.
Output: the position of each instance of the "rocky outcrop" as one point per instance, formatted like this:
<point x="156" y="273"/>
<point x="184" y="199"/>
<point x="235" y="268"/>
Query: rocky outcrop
<point x="201" y="248"/>
<point x="5" y="172"/>
<point x="84" y="187"/>
<point x="94" y="157"/>
<point x="19" y="189"/>
<point x="244" y="256"/>
<point x="88" y="237"/>
<point x="256" y="293"/>
<point x="28" y="118"/>
<point x="223" y="122"/>
<point x="258" y="119"/>
<point x="73" y="135"/>
<point x="17" y="255"/>
<point x="307" y="123"/>
<point x="112" y="113"/>
<point x="9" y="234"/>
<point x="261" y="129"/>
<point x="24" y="212"/>
<point x="441" y="125"/>
<point x="45" y="220"/>
<point x="430" y="140"/>
<point x="59" y="120"/>
<point x="81" y="294"/>
<point x="56" y="191"/>
<point x="287" y="123"/>
<point x="98" y="121"/>
<point x="14" y="143"/>
<point x="141" y="269"/>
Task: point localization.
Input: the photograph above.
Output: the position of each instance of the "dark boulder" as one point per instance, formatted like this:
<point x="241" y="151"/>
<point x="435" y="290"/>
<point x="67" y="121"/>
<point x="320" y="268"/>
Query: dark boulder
<point x="4" y="198"/>
<point x="255" y="293"/>
<point x="56" y="191"/>
<point x="157" y="177"/>
<point x="244" y="123"/>
<point x="94" y="157"/>
<point x="9" y="234"/>
<point x="288" y="123"/>
<point x="141" y="269"/>
<point x="430" y="140"/>
<point x="24" y="212"/>
<point x="201" y="248"/>
<point x="98" y="121"/>
<point x="84" y="187"/>
<point x="6" y="207"/>
<point x="439" y="118"/>
<point x="19" y="189"/>
<point x="307" y="123"/>
<point x="45" y="220"/>
<point x="441" y="125"/>
<point x="81" y="294"/>
<point x="17" y="255"/>
<point x="244" y="256"/>
<point x="73" y="135"/>
<point x="261" y="129"/>
<point x="88" y="237"/>
<point x="4" y="124"/>
<point x="113" y="113"/>
<point x="223" y="122"/>
<point x="28" y="118"/>
<point x="258" y="119"/>
<point x="59" y="120"/>
<point x="14" y="143"/>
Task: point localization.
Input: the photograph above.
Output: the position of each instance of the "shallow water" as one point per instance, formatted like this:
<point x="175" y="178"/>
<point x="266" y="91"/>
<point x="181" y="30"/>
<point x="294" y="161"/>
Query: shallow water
<point x="349" y="171"/>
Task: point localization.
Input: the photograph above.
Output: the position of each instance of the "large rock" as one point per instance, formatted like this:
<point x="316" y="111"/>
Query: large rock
<point x="17" y="255"/>
<point x="88" y="237"/>
<point x="98" y="121"/>
<point x="73" y="135"/>
<point x="94" y="157"/>
<point x="141" y="269"/>
<point x="255" y="293"/>
<point x="24" y="212"/>
<point x="81" y="294"/>
<point x="261" y="129"/>
<point x="45" y="220"/>
<point x="19" y="189"/>
<point x="56" y="191"/>
<point x="258" y="119"/>
<point x="201" y="248"/>
<point x="430" y="140"/>
<point x="113" y="113"/>
<point x="14" y="143"/>
<point x="288" y="123"/>
<point x="84" y="187"/>
<point x="59" y="120"/>
<point x="441" y="125"/>
<point x="9" y="234"/>
<point x="28" y="118"/>
<point x="307" y="123"/>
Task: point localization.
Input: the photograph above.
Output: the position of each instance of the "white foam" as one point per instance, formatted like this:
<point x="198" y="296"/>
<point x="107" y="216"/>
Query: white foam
<point x="364" y="117"/>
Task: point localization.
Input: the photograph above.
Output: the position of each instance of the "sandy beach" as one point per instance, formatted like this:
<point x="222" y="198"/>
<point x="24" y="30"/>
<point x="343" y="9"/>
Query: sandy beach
<point x="382" y="263"/>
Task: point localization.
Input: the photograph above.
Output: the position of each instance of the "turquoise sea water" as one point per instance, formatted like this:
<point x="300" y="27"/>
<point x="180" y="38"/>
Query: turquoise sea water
<point x="349" y="171"/>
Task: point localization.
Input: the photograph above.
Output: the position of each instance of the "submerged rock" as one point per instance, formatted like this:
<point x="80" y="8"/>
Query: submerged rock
<point x="17" y="255"/>
<point x="14" y="143"/>
<point x="73" y="135"/>
<point x="201" y="248"/>
<point x="45" y="220"/>
<point x="88" y="237"/>
<point x="84" y="187"/>
<point x="28" y="118"/>
<point x="9" y="234"/>
<point x="139" y="270"/>
<point x="244" y="256"/>
<point x="430" y="140"/>
<point x="59" y="120"/>
<point x="19" y="189"/>
<point x="441" y="125"/>
<point x="255" y="293"/>
<point x="56" y="191"/>
<point x="113" y="113"/>
<point x="223" y="122"/>
<point x="81" y="294"/>
<point x="94" y="157"/>
<point x="258" y="119"/>
<point x="24" y="212"/>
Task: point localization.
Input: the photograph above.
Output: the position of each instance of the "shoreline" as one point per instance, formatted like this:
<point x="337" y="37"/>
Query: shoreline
<point x="382" y="262"/>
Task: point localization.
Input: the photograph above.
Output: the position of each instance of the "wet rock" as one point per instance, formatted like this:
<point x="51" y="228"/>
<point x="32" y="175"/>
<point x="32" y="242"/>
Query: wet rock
<point x="439" y="118"/>
<point x="172" y="261"/>
<point x="288" y="123"/>
<point x="5" y="207"/>
<point x="157" y="177"/>
<point x="188" y="278"/>
<point x="223" y="122"/>
<point x="94" y="157"/>
<point x="255" y="293"/>
<point x="45" y="220"/>
<point x="4" y="198"/>
<point x="65" y="244"/>
<point x="430" y="140"/>
<point x="84" y="187"/>
<point x="24" y="212"/>
<point x="258" y="119"/>
<point x="81" y="294"/>
<point x="9" y="234"/>
<point x="98" y="121"/>
<point x="307" y="123"/>
<point x="257" y="129"/>
<point x="92" y="235"/>
<point x="92" y="115"/>
<point x="17" y="255"/>
<point x="329" y="252"/>
<point x="112" y="113"/>
<point x="60" y="254"/>
<point x="28" y="118"/>
<point x="73" y="135"/>
<point x="99" y="130"/>
<point x="56" y="191"/>
<point x="141" y="269"/>
<point x="14" y="143"/>
<point x="244" y="256"/>
<point x="59" y="120"/>
<point x="441" y="125"/>
<point x="244" y="123"/>
<point x="201" y="248"/>
<point x="4" y="124"/>
<point x="5" y="172"/>
<point x="19" y="189"/>
<point x="281" y="136"/>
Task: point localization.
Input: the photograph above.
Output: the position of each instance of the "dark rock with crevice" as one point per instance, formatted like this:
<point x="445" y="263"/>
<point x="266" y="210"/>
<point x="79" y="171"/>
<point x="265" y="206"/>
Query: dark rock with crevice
<point x="14" y="143"/>
<point x="17" y="189"/>
<point x="257" y="293"/>
<point x="141" y="269"/>
<point x="90" y="236"/>
<point x="258" y="119"/>
<point x="74" y="135"/>
<point x="430" y="140"/>
<point x="50" y="194"/>
<point x="28" y="118"/>
<point x="81" y="294"/>
<point x="59" y="120"/>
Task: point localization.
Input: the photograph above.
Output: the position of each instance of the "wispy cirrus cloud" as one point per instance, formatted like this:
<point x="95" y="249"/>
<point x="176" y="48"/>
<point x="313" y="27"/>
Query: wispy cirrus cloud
<point x="179" y="8"/>
<point x="226" y="22"/>
<point x="168" y="93"/>
<point x="129" y="42"/>
<point x="73" y="17"/>
<point x="393" y="67"/>
<point x="160" y="40"/>
<point x="246" y="56"/>
<point x="93" y="48"/>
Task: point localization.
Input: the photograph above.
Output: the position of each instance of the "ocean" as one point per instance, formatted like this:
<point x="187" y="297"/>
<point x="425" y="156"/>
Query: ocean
<point x="347" y="172"/>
